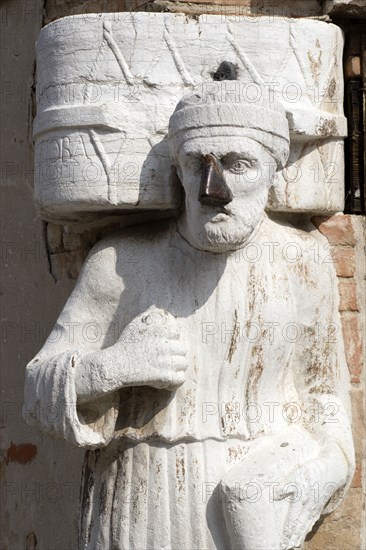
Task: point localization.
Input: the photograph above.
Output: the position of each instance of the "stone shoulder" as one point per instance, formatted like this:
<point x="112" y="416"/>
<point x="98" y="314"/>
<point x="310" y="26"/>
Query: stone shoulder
<point x="307" y="255"/>
<point x="143" y="235"/>
<point x="123" y="253"/>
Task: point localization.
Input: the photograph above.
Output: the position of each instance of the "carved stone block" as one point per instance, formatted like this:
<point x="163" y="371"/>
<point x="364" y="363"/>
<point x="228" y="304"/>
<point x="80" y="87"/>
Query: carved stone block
<point x="108" y="84"/>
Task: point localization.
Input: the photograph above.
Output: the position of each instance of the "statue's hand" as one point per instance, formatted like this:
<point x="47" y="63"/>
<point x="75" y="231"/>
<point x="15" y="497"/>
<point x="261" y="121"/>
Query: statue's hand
<point x="275" y="495"/>
<point x="156" y="350"/>
<point x="308" y="489"/>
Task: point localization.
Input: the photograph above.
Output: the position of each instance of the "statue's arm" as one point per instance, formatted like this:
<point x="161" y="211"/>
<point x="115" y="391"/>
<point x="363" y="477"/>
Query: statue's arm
<point x="65" y="374"/>
<point x="317" y="484"/>
<point x="322" y="380"/>
<point x="72" y="385"/>
<point x="309" y="465"/>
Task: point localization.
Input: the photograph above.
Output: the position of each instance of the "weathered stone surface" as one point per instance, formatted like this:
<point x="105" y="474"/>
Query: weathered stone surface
<point x="100" y="147"/>
<point x="247" y="8"/>
<point x="55" y="9"/>
<point x="148" y="310"/>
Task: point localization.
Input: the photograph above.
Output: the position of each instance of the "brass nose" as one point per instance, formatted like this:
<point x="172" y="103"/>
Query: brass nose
<point x="213" y="188"/>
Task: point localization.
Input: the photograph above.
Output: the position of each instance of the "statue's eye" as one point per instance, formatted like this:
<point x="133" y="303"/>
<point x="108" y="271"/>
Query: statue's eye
<point x="193" y="163"/>
<point x="196" y="165"/>
<point x="240" y="166"/>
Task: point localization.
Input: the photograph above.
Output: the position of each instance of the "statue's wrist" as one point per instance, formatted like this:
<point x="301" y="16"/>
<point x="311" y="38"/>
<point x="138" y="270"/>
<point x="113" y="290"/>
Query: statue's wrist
<point x="101" y="372"/>
<point x="335" y="461"/>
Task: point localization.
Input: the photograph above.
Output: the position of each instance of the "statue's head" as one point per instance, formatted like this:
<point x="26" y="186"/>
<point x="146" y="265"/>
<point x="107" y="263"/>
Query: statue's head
<point x="226" y="149"/>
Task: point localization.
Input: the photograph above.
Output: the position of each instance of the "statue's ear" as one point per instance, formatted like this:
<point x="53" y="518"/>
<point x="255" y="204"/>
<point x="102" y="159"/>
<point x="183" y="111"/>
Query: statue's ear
<point x="176" y="184"/>
<point x="175" y="176"/>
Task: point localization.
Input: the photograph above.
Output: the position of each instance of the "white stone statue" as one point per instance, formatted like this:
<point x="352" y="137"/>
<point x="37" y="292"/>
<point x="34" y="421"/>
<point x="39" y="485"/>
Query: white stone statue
<point x="200" y="361"/>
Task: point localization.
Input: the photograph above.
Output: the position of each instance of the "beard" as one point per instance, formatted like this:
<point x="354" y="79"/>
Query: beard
<point x="235" y="229"/>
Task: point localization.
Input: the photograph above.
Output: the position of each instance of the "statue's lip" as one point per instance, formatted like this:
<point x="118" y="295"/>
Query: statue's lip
<point x="220" y="217"/>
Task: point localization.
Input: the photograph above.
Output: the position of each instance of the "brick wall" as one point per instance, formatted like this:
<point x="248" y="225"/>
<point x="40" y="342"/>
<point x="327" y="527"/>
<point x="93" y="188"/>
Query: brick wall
<point x="344" y="529"/>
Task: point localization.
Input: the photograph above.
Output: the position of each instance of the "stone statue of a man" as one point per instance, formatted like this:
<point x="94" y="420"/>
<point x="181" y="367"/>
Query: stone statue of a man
<point x="200" y="360"/>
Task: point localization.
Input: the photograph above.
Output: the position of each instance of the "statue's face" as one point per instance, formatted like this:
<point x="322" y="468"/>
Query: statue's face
<point x="247" y="168"/>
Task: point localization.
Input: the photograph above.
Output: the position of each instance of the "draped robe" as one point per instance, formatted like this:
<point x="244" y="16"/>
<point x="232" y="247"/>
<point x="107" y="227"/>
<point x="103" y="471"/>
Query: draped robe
<point x="266" y="363"/>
